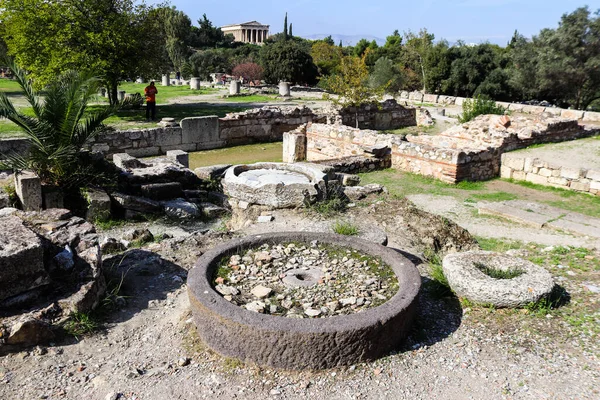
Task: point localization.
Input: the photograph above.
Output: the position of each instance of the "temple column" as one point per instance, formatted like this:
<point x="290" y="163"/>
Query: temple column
<point x="259" y="38"/>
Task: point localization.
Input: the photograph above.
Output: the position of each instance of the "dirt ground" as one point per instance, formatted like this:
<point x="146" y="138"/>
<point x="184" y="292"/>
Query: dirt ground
<point x="582" y="153"/>
<point x="148" y="349"/>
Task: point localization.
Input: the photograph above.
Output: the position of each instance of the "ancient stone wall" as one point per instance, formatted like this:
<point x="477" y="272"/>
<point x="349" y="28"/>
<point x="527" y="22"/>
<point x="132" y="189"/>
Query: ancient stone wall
<point x="384" y="116"/>
<point x="585" y="116"/>
<point x="469" y="151"/>
<point x="535" y="170"/>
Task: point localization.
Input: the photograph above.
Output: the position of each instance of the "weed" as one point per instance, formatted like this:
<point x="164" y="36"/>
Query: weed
<point x="81" y="324"/>
<point x="335" y="203"/>
<point x="10" y="190"/>
<point x="345" y="228"/>
<point x="496" y="273"/>
<point x="231" y="364"/>
<point x="557" y="298"/>
<point x="105" y="224"/>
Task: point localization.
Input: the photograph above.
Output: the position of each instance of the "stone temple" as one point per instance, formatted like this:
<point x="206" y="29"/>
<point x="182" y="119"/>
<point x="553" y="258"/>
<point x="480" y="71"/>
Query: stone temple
<point x="248" y="32"/>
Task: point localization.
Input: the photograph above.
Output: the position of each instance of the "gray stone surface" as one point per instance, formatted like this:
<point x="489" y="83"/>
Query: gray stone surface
<point x="201" y="130"/>
<point x="212" y="172"/>
<point x="181" y="209"/>
<point x="135" y="203"/>
<point x="4" y="200"/>
<point x="275" y="184"/>
<point x="211" y="211"/>
<point x="180" y="156"/>
<point x="360" y="192"/>
<point x="543" y="216"/>
<point x="468" y="281"/>
<point x="125" y="161"/>
<point x="21" y="258"/>
<point x="52" y="197"/>
<point x="162" y="191"/>
<point x="98" y="204"/>
<point x="28" y="187"/>
<point x="290" y="343"/>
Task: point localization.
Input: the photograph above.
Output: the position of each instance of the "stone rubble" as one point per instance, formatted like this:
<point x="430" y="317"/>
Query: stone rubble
<point x="329" y="281"/>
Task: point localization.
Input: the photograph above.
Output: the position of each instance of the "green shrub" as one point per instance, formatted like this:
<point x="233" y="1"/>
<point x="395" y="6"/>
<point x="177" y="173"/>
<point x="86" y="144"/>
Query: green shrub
<point x="479" y="106"/>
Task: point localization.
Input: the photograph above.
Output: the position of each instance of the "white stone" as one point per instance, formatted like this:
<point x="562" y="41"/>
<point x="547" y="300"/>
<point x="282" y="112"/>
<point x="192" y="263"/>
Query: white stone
<point x="261" y="292"/>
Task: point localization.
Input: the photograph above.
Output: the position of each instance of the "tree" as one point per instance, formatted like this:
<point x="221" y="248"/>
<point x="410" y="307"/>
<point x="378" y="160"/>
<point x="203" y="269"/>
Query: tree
<point x="385" y="75"/>
<point x="249" y="71"/>
<point x="287" y="61"/>
<point x="291" y="31"/>
<point x="60" y="127"/>
<point x="178" y="30"/>
<point x="327" y="57"/>
<point x="568" y="59"/>
<point x="351" y="83"/>
<point x="108" y="38"/>
<point x="285" y="28"/>
<point x="415" y="53"/>
<point x="207" y="36"/>
<point x="205" y="62"/>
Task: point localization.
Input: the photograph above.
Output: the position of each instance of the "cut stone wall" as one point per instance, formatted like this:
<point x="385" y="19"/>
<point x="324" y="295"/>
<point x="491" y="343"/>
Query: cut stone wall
<point x="383" y="116"/>
<point x="535" y="170"/>
<point x="471" y="151"/>
<point x="585" y="116"/>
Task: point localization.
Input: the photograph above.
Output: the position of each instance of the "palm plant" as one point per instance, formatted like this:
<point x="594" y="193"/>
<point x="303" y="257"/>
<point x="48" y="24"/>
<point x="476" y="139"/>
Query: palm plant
<point x="60" y="126"/>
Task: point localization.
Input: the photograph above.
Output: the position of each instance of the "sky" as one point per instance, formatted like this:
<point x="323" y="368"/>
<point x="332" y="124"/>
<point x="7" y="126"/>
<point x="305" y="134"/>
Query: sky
<point x="473" y="21"/>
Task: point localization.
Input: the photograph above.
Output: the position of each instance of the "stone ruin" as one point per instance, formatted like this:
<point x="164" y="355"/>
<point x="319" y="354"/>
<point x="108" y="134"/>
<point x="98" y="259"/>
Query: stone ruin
<point x="50" y="267"/>
<point x="470" y="151"/>
<point x="298" y="343"/>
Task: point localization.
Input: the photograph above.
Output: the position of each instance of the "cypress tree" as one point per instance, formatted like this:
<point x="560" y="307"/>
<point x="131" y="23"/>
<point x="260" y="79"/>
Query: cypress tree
<point x="291" y="34"/>
<point x="285" y="27"/>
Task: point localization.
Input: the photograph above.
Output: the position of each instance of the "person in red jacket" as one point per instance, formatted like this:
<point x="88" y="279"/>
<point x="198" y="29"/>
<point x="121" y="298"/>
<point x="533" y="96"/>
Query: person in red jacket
<point x="150" y="92"/>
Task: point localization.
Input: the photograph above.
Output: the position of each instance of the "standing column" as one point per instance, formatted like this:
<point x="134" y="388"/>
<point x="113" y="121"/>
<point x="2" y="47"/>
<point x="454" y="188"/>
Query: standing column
<point x="243" y="35"/>
<point x="254" y="36"/>
<point x="259" y="34"/>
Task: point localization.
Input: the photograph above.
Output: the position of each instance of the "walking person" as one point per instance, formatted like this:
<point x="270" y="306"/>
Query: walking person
<point x="150" y="92"/>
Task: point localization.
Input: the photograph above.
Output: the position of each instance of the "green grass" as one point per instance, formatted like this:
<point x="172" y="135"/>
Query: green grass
<point x="345" y="228"/>
<point x="255" y="98"/>
<point x="492" y="196"/>
<point x="248" y="154"/>
<point x="135" y="119"/>
<point x="571" y="201"/>
<point x="81" y="324"/>
<point x="498" y="245"/>
<point x="165" y="93"/>
<point x="496" y="273"/>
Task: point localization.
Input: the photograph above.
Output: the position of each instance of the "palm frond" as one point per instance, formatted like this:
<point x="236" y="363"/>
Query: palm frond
<point x="21" y="77"/>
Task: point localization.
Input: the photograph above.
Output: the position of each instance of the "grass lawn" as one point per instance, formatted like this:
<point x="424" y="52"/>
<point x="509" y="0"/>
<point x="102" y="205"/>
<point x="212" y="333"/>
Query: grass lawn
<point x="165" y="93"/>
<point x="255" y="98"/>
<point x="249" y="154"/>
<point x="10" y="87"/>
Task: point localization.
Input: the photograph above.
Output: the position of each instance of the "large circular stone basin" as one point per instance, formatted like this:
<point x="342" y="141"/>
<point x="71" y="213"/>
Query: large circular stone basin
<point x="295" y="344"/>
<point x="278" y="185"/>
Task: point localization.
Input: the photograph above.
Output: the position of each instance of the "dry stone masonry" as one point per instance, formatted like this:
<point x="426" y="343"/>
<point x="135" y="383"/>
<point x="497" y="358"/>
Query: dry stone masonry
<point x="470" y="151"/>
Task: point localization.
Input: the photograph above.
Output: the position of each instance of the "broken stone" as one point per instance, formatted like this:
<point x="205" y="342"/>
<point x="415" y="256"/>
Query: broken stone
<point x="21" y="258"/>
<point x="256" y="306"/>
<point x="261" y="292"/>
<point x="212" y="172"/>
<point x="64" y="259"/>
<point x="181" y="209"/>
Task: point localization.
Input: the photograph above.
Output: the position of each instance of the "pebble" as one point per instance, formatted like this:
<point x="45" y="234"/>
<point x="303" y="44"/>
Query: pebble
<point x="328" y="281"/>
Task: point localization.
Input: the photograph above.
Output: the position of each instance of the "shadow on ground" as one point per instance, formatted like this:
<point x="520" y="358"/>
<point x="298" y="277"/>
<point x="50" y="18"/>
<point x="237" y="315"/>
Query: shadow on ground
<point x="439" y="313"/>
<point x="136" y="278"/>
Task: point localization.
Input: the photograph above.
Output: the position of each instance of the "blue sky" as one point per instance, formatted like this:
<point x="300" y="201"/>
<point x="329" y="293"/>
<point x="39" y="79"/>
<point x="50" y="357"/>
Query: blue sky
<point x="473" y="21"/>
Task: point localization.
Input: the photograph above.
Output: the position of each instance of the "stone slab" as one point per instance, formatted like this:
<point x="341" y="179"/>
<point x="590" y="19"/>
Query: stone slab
<point x="21" y="259"/>
<point x="28" y="187"/>
<point x="540" y="216"/>
<point x="200" y="130"/>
